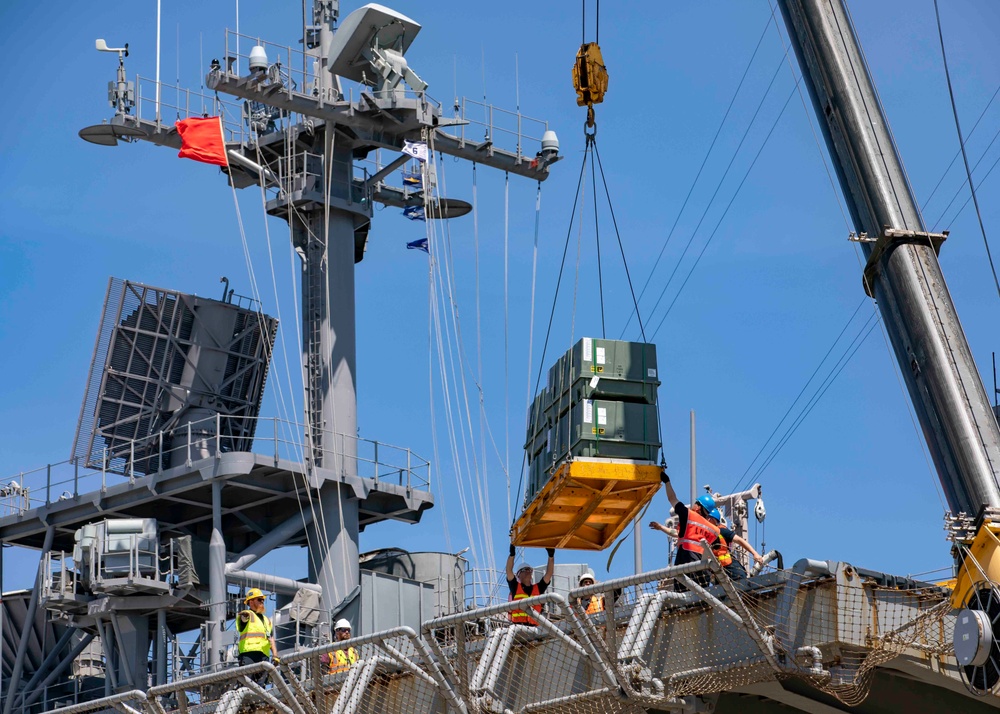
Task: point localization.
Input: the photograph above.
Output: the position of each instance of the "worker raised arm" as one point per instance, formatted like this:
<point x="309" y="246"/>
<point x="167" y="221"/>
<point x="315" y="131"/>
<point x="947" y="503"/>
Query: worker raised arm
<point x="693" y="527"/>
<point x="521" y="586"/>
<point x="671" y="495"/>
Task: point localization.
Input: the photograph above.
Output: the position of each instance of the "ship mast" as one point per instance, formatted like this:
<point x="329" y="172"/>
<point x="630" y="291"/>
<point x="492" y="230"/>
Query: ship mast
<point x="903" y="273"/>
<point x="309" y="132"/>
<point x="330" y="216"/>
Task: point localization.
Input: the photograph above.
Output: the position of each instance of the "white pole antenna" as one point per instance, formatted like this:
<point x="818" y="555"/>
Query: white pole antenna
<point x="157" y="61"/>
<point x="517" y="86"/>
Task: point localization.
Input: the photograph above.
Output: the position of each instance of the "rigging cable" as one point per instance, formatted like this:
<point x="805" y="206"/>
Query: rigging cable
<point x="802" y="391"/>
<point x="726" y="211"/>
<point x="555" y="296"/>
<point x="462" y="393"/>
<point x="965" y="182"/>
<point x="298" y="449"/>
<point x="715" y="193"/>
<point x="481" y="490"/>
<point x="628" y="277"/>
<point x="440" y="257"/>
<point x="579" y="251"/>
<point x="614" y="221"/>
<point x="531" y="322"/>
<point x="961" y="142"/>
<point x="592" y="142"/>
<point x="255" y="291"/>
<point x="479" y="324"/>
<point x="506" y="333"/>
<point x="839" y="366"/>
<point x="959" y="152"/>
<point x="694" y="183"/>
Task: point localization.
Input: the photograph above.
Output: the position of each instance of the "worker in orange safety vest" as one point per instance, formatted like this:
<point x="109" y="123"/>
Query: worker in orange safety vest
<point x="521" y="586"/>
<point x="694" y="526"/>
<point x="723" y="547"/>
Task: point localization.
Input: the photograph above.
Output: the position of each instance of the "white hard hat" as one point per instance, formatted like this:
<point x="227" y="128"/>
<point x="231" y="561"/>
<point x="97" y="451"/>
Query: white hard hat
<point x="523" y="566"/>
<point x="587" y="575"/>
<point x="342" y="625"/>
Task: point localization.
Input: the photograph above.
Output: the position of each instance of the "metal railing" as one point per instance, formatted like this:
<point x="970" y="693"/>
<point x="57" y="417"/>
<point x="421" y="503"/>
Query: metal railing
<point x="430" y="654"/>
<point x="97" y="563"/>
<point x="178" y="103"/>
<point x="279" y="439"/>
<point x="497" y="124"/>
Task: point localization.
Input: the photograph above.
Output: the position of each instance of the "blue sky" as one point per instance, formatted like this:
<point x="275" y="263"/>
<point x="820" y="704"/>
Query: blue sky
<point x="772" y="291"/>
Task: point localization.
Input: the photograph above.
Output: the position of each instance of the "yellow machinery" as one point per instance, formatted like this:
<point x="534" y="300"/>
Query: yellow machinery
<point x="975" y="594"/>
<point x="590" y="78"/>
<point x="586" y="504"/>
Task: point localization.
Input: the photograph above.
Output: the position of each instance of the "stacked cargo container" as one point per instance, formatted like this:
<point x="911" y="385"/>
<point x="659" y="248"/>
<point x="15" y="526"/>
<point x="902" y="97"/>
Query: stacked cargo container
<point x="599" y="402"/>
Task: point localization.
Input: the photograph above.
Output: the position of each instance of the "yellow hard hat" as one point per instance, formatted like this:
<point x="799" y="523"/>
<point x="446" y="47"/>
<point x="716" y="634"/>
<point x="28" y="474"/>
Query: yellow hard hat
<point x="252" y="594"/>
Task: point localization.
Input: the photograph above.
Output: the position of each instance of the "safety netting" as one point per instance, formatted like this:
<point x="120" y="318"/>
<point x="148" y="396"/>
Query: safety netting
<point x="624" y="646"/>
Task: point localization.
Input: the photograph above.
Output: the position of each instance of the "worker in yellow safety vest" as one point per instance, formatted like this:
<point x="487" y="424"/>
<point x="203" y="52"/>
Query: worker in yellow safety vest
<point x="520" y="585"/>
<point x="340" y="660"/>
<point x="256" y="643"/>
<point x="593" y="604"/>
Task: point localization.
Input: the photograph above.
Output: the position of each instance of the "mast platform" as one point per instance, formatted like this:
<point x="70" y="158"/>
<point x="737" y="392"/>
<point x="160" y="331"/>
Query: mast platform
<point x="260" y="491"/>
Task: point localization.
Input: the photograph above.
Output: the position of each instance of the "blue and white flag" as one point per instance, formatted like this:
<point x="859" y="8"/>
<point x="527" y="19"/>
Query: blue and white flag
<point x="416" y="149"/>
<point x="412" y="179"/>
<point x="414" y="213"/>
<point x="418" y="245"/>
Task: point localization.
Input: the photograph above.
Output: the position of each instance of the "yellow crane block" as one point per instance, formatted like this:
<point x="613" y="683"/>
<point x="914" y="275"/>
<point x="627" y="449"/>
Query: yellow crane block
<point x="586" y="504"/>
<point x="590" y="78"/>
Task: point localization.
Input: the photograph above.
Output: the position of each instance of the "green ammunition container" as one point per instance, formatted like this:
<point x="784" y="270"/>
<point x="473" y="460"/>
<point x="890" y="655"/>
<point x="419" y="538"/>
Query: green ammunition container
<point x="617" y="430"/>
<point x="604" y="369"/>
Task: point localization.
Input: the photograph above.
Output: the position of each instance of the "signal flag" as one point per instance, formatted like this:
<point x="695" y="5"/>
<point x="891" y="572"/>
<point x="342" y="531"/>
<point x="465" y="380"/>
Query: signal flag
<point x="203" y="140"/>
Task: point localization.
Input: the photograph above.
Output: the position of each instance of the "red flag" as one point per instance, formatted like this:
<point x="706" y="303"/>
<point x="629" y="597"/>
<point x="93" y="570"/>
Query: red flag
<point x="202" y="140"/>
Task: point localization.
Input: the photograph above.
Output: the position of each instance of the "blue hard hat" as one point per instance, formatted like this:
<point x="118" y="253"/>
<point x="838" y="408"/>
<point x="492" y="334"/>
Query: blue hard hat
<point x="714" y="513"/>
<point x="706" y="502"/>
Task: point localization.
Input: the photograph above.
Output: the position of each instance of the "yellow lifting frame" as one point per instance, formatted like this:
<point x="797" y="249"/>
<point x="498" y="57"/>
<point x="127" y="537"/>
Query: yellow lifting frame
<point x="586" y="504"/>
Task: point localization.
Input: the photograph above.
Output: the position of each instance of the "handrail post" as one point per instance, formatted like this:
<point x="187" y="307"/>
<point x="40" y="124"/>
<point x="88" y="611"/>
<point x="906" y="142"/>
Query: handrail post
<point x="131" y="461"/>
<point x="376" y="460"/>
<point x="188" y="461"/>
<point x="218" y="435"/>
<point x="104" y="470"/>
<point x="408" y="467"/>
<point x="48" y="484"/>
<point x="275" y="420"/>
<point x="160" y="452"/>
<point x="76" y="476"/>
